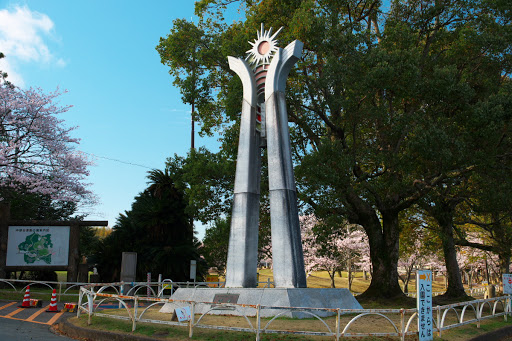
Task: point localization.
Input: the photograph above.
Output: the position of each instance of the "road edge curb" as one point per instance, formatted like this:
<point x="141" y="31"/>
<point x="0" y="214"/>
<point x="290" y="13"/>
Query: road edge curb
<point x="69" y="329"/>
<point x="495" y="335"/>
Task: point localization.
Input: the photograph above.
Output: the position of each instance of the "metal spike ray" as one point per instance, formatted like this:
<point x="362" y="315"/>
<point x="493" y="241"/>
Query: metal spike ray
<point x="254" y="55"/>
<point x="277" y="32"/>
<point x="269" y="32"/>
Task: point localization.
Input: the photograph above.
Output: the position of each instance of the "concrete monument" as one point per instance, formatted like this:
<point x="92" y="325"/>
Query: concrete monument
<point x="264" y="122"/>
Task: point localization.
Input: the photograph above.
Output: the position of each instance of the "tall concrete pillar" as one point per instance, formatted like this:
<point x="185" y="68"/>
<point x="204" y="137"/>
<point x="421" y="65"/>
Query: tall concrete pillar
<point x="287" y="255"/>
<point x="242" y="262"/>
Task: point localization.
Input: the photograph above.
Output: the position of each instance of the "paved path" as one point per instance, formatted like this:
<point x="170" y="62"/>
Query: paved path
<point x="28" y="323"/>
<point x="19" y="330"/>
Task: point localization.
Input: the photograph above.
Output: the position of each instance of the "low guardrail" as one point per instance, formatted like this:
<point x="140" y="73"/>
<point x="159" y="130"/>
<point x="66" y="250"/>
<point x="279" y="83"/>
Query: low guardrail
<point x="156" y="289"/>
<point x="401" y="322"/>
<point x="62" y="288"/>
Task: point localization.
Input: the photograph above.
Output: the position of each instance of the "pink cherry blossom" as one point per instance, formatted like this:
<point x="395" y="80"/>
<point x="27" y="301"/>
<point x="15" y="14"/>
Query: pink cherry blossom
<point x="333" y="252"/>
<point x="37" y="152"/>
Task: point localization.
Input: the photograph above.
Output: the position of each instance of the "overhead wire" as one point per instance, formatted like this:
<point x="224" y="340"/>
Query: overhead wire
<point x="117" y="160"/>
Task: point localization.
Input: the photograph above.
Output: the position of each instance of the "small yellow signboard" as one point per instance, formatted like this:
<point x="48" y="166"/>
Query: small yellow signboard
<point x="214" y="279"/>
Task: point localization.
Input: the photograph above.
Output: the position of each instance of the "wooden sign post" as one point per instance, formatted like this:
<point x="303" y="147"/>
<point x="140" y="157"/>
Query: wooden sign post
<point x="24" y="226"/>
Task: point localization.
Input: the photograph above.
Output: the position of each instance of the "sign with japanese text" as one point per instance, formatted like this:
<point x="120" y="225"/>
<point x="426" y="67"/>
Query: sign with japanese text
<point x="507" y="284"/>
<point x="424" y="305"/>
<point x="181" y="314"/>
<point x="37" y="246"/>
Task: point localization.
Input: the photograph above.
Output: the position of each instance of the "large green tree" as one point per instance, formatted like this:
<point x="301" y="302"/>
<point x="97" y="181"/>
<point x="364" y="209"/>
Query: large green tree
<point x="386" y="104"/>
<point x="158" y="229"/>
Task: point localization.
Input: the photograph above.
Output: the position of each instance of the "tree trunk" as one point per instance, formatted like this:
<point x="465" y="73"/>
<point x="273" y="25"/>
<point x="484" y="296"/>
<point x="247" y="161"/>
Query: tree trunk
<point x="408" y="278"/>
<point x="502" y="246"/>
<point x="442" y="212"/>
<point x="470" y="284"/>
<point x="455" y="287"/>
<point x="406" y="284"/>
<point x="487" y="276"/>
<point x="349" y="262"/>
<point x="504" y="263"/>
<point x="331" y="275"/>
<point x="384" y="243"/>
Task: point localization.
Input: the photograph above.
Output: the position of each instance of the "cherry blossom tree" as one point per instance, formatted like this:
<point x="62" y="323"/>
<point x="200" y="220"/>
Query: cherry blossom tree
<point x="37" y="152"/>
<point x="315" y="255"/>
<point x="407" y="262"/>
<point x="329" y="250"/>
<point x="355" y="250"/>
<point x="473" y="260"/>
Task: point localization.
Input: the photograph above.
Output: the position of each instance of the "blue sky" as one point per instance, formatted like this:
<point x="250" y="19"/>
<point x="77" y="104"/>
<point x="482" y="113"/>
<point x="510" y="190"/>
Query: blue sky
<point x="124" y="104"/>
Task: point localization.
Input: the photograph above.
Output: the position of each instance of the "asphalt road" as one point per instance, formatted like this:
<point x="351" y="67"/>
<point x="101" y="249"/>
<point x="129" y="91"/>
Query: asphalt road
<point x="15" y="330"/>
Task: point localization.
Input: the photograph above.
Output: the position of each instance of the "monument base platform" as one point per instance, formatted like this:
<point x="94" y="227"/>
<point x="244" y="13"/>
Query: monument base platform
<point x="268" y="297"/>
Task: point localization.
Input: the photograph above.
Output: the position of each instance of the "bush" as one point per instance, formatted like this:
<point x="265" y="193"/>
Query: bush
<point x="41" y="275"/>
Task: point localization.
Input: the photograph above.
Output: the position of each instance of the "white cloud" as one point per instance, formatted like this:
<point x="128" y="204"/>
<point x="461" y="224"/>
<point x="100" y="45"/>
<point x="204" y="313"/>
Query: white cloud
<point x="61" y="62"/>
<point x="22" y="39"/>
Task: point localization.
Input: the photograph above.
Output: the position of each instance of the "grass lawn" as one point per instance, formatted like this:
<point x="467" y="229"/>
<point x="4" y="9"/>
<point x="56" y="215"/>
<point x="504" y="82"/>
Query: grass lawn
<point x="365" y="324"/>
<point x="321" y="279"/>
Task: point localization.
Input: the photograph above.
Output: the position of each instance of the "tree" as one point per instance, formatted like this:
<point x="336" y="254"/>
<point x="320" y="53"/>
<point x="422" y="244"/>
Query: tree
<point x="488" y="210"/>
<point x="354" y="248"/>
<point x="215" y="245"/>
<point x="3" y="75"/>
<point x="442" y="208"/>
<point x="158" y="228"/>
<point x="327" y="249"/>
<point x="206" y="179"/>
<point x="181" y="50"/>
<point x="419" y="246"/>
<point x="400" y="126"/>
<point x="37" y="153"/>
<point x="317" y="256"/>
<point x="384" y="107"/>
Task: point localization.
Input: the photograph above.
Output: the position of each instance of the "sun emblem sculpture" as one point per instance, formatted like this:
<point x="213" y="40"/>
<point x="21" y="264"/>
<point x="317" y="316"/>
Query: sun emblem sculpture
<point x="263" y="48"/>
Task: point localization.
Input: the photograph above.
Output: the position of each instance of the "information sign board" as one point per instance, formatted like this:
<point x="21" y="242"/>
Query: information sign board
<point x="424" y="304"/>
<point x="37" y="246"/>
<point x="507" y="284"/>
<point x="181" y="314"/>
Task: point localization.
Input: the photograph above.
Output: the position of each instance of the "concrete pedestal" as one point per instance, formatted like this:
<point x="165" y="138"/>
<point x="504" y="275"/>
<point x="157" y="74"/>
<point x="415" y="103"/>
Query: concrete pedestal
<point x="268" y="297"/>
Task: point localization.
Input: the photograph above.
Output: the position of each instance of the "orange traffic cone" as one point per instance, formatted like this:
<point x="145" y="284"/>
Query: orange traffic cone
<point x="26" y="298"/>
<point x="53" y="303"/>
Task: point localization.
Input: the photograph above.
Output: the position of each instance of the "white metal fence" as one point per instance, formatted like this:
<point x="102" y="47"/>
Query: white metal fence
<point x="162" y="289"/>
<point x="20" y="285"/>
<point x="400" y="322"/>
